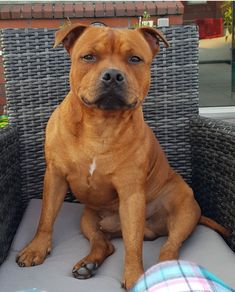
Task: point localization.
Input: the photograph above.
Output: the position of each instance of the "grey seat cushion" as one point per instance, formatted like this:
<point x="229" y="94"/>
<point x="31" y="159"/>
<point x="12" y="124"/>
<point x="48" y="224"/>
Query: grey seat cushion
<point x="204" y="247"/>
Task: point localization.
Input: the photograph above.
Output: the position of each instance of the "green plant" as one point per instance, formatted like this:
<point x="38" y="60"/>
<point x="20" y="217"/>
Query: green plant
<point x="227" y="16"/>
<point x="66" y="23"/>
<point x="3" y="121"/>
<point x="146" y="16"/>
<point x="144" y="20"/>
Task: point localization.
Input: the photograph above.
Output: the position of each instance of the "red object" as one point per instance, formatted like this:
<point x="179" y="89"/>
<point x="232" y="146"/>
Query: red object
<point x="210" y="28"/>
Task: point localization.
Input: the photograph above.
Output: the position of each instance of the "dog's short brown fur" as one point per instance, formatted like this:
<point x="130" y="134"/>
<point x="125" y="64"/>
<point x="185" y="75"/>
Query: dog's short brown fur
<point x="98" y="144"/>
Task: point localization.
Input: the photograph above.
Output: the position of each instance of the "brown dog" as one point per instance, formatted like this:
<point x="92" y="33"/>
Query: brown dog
<point x="98" y="144"/>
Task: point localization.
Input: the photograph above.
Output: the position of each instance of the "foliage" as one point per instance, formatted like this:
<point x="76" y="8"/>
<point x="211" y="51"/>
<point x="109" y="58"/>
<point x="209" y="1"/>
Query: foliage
<point x="227" y="15"/>
<point x="146" y="16"/>
<point x="3" y="121"/>
<point x="144" y="20"/>
<point x="67" y="22"/>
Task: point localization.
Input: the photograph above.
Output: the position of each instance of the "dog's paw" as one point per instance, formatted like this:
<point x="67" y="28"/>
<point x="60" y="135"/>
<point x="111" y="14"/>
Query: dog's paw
<point x="127" y="285"/>
<point x="130" y="278"/>
<point x="168" y="252"/>
<point x="84" y="270"/>
<point x="87" y="267"/>
<point x="32" y="255"/>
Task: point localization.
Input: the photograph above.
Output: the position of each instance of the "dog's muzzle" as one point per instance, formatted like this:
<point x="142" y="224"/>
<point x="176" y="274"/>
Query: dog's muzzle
<point x="112" y="91"/>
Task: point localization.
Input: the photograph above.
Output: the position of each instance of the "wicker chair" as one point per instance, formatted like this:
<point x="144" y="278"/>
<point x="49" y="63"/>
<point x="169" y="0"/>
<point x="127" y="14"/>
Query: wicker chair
<point x="201" y="149"/>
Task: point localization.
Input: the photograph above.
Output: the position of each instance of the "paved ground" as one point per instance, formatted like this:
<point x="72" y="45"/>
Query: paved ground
<point x="215" y="85"/>
<point x="215" y="79"/>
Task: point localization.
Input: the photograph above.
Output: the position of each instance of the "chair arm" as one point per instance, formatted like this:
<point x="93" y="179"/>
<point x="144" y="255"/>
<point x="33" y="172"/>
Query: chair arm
<point x="213" y="170"/>
<point x="10" y="193"/>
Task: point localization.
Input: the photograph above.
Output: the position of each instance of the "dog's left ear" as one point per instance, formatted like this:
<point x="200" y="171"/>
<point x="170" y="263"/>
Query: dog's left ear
<point x="153" y="36"/>
<point x="68" y="35"/>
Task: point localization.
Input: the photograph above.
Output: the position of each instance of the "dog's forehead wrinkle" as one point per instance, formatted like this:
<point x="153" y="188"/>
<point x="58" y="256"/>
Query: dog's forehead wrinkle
<point x="126" y="43"/>
<point x="111" y="41"/>
<point x="108" y="42"/>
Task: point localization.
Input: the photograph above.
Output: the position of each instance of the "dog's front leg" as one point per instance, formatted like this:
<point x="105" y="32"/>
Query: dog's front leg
<point x="55" y="188"/>
<point x="132" y="215"/>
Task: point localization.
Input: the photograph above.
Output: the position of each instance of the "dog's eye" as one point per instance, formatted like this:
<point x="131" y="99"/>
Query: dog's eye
<point x="135" y="59"/>
<point x="89" y="58"/>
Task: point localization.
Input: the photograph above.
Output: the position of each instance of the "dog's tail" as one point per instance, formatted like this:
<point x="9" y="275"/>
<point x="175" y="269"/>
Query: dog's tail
<point x="214" y="225"/>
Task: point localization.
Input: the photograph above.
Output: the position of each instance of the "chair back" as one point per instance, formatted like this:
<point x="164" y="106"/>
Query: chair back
<point x="37" y="81"/>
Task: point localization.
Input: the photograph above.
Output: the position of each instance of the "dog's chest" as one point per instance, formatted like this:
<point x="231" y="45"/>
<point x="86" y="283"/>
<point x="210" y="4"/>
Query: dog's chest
<point x="92" y="167"/>
<point x="90" y="181"/>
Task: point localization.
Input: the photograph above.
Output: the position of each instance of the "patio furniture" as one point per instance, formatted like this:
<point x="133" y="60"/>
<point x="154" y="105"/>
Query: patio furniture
<point x="201" y="149"/>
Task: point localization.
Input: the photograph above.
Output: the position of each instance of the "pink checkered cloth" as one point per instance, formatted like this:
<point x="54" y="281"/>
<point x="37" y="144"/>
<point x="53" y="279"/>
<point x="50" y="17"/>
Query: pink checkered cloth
<point x="179" y="276"/>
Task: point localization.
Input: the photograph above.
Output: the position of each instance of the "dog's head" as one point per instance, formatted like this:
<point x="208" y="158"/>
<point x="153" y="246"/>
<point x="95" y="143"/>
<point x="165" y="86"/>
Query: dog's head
<point x="110" y="68"/>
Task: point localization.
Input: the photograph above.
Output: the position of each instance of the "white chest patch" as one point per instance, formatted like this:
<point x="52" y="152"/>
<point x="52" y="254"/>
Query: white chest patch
<point x="92" y="166"/>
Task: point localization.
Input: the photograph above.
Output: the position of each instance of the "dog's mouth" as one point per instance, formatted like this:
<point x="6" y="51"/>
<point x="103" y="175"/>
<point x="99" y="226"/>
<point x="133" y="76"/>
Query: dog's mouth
<point x="86" y="101"/>
<point x="106" y="101"/>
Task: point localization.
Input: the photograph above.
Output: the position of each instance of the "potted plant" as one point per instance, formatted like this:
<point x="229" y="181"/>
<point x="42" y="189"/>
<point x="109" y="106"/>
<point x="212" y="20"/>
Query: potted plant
<point x="145" y="20"/>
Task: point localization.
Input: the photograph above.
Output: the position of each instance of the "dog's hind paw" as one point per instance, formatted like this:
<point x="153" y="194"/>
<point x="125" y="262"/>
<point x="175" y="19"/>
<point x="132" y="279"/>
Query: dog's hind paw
<point x="85" y="271"/>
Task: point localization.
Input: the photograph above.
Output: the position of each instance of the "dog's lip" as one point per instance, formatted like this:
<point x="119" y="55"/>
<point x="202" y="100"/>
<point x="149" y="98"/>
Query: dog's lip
<point x="86" y="101"/>
<point x="133" y="104"/>
<point x="109" y="98"/>
<point x="122" y="103"/>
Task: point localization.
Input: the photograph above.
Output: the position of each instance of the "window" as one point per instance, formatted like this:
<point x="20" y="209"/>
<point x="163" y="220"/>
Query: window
<point x="216" y="51"/>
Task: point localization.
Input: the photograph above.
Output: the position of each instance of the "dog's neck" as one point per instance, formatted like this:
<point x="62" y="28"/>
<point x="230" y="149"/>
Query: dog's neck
<point x="102" y="124"/>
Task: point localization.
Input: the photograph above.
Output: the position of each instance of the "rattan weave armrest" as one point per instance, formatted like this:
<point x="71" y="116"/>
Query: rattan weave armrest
<point x="10" y="193"/>
<point x="213" y="160"/>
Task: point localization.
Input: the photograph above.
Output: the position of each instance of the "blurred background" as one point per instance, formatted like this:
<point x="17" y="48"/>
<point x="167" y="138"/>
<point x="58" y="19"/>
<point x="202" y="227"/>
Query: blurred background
<point x="215" y="20"/>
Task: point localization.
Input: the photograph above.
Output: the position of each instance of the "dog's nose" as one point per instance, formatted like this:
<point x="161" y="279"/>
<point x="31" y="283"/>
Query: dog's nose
<point x="112" y="76"/>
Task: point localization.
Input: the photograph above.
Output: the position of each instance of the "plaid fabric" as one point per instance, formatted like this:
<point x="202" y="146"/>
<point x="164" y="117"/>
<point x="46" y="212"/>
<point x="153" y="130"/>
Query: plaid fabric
<point x="31" y="290"/>
<point x="179" y="276"/>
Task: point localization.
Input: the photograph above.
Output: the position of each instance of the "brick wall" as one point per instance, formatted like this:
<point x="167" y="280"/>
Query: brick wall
<point x="82" y="10"/>
<point x="121" y="14"/>
<point x="53" y="15"/>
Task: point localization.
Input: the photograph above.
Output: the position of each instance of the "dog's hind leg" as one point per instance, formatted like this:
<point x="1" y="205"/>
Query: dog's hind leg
<point x="181" y="223"/>
<point x="101" y="247"/>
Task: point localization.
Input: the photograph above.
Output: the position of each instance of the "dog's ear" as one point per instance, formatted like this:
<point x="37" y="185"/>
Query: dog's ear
<point x="68" y="34"/>
<point x="153" y="36"/>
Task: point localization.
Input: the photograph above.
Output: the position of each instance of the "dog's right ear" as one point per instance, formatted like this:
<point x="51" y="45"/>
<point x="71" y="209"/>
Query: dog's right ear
<point x="68" y="35"/>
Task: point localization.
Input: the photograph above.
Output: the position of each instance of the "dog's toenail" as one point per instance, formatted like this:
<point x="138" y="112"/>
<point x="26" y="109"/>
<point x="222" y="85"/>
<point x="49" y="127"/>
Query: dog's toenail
<point x="74" y="270"/>
<point x="91" y="266"/>
<point x="83" y="271"/>
<point x="21" y="264"/>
